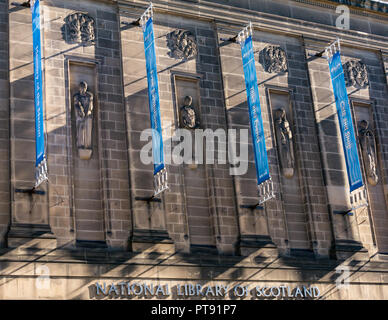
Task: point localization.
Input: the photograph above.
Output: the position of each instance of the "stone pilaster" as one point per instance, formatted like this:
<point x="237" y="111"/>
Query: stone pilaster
<point x="345" y="227"/>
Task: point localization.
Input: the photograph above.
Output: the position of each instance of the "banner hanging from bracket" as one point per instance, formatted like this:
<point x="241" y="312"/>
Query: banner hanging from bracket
<point x="358" y="196"/>
<point x="160" y="172"/>
<point x="264" y="181"/>
<point x="40" y="156"/>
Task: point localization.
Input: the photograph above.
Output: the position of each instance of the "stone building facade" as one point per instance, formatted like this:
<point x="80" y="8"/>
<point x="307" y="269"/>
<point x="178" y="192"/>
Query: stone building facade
<point x="90" y="222"/>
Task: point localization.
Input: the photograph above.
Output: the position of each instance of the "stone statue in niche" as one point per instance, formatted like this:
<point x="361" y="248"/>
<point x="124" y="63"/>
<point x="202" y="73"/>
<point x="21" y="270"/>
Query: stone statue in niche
<point x="83" y="107"/>
<point x="182" y="44"/>
<point x="188" y="116"/>
<point x="368" y="148"/>
<point x="79" y="28"/>
<point x="284" y="143"/>
<point x="273" y="59"/>
<point x="356" y="74"/>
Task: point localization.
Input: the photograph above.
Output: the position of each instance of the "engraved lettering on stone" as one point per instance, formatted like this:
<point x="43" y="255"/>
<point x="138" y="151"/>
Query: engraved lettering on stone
<point x="79" y="28"/>
<point x="368" y="148"/>
<point x="356" y="74"/>
<point x="83" y="107"/>
<point x="182" y="44"/>
<point x="188" y="116"/>
<point x="284" y="143"/>
<point x="273" y="59"/>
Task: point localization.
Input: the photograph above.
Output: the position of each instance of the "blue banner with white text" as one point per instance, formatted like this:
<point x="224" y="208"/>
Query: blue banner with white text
<point x="38" y="82"/>
<point x="257" y="131"/>
<point x="346" y="123"/>
<point x="153" y="96"/>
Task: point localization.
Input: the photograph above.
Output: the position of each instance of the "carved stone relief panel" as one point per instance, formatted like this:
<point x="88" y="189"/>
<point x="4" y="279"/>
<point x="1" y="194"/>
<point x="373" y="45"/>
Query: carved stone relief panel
<point x="356" y="74"/>
<point x="182" y="44"/>
<point x="79" y="28"/>
<point x="273" y="59"/>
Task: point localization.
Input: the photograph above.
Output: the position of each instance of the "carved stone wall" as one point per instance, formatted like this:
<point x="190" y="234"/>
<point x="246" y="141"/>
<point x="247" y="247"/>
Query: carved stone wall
<point x="205" y="206"/>
<point x="108" y="196"/>
<point x="221" y="193"/>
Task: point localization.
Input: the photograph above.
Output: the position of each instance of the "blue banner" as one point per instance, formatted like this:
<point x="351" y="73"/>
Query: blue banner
<point x="153" y="96"/>
<point x="346" y="123"/>
<point x="40" y="161"/>
<point x="258" y="138"/>
<point x="38" y="82"/>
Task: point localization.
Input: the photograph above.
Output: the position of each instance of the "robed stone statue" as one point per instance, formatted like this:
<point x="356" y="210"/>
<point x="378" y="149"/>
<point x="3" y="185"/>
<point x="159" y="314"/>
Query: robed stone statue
<point x="188" y="116"/>
<point x="83" y="106"/>
<point x="368" y="148"/>
<point x="284" y="143"/>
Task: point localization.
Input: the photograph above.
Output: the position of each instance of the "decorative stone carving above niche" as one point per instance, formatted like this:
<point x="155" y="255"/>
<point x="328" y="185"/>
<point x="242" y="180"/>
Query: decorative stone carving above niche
<point x="79" y="28"/>
<point x="273" y="59"/>
<point x="182" y="44"/>
<point x="356" y="74"/>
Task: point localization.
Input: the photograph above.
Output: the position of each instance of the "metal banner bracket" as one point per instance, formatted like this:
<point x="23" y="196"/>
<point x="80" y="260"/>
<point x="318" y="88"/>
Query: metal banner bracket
<point x="135" y="23"/>
<point x="344" y="213"/>
<point x="148" y="199"/>
<point x="231" y="39"/>
<point x="30" y="191"/>
<point x="256" y="206"/>
<point x="26" y="4"/>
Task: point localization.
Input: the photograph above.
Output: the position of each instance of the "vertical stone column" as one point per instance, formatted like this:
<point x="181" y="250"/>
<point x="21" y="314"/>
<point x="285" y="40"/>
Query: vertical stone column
<point x="345" y="227"/>
<point x="30" y="216"/>
<point x="150" y="226"/>
<point x="4" y="127"/>
<point x="169" y="219"/>
<point x="254" y="224"/>
<point x="89" y="199"/>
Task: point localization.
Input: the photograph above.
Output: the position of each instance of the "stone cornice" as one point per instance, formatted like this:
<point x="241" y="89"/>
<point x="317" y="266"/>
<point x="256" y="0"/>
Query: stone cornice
<point x="371" y="5"/>
<point x="231" y="19"/>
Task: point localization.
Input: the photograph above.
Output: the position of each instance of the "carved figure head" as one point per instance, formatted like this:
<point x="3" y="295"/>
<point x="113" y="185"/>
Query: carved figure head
<point x="364" y="124"/>
<point x="280" y="114"/>
<point x="188" y="100"/>
<point x="83" y="87"/>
